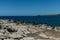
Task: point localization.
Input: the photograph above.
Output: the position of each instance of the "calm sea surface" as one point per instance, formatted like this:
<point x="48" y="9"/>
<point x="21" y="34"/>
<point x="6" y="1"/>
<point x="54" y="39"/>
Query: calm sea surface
<point x="51" y="20"/>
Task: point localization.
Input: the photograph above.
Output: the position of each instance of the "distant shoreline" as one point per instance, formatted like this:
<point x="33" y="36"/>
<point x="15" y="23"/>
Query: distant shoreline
<point x="50" y="15"/>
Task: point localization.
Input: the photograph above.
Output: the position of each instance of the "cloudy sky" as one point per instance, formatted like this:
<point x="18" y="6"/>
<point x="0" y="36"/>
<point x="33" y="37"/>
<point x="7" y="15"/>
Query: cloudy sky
<point x="29" y="7"/>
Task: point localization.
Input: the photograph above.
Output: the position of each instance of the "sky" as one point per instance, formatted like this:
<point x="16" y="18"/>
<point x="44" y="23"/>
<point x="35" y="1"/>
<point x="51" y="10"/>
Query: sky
<point x="29" y="7"/>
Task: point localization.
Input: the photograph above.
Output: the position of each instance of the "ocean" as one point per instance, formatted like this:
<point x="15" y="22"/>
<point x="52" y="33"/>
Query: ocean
<point x="50" y="20"/>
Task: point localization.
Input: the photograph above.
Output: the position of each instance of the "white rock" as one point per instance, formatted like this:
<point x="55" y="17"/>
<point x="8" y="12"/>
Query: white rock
<point x="57" y="28"/>
<point x="43" y="35"/>
<point x="49" y="28"/>
<point x="28" y="38"/>
<point x="2" y="30"/>
<point x="15" y="35"/>
<point x="1" y="34"/>
<point x="8" y="39"/>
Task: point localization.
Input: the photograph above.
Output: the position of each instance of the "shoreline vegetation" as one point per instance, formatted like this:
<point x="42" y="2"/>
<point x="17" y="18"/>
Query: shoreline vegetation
<point x="20" y="30"/>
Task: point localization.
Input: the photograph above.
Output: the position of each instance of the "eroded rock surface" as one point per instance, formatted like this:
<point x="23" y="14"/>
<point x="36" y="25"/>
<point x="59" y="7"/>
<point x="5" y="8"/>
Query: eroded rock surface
<point x="11" y="31"/>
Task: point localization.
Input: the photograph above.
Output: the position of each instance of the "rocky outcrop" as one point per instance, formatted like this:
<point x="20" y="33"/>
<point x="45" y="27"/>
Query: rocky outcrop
<point x="12" y="31"/>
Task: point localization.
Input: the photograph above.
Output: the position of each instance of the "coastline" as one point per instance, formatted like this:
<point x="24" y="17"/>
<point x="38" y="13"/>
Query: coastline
<point x="50" y="20"/>
<point x="10" y="29"/>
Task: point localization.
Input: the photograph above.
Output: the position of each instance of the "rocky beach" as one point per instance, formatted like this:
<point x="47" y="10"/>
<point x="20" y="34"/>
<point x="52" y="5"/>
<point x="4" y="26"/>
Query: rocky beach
<point x="17" y="30"/>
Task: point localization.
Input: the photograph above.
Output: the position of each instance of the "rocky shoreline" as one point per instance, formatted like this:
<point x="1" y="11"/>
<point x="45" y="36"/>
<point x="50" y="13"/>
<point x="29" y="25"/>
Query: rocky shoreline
<point x="17" y="30"/>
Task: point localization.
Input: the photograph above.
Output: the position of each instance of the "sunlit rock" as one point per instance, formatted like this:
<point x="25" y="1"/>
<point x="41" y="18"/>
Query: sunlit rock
<point x="43" y="35"/>
<point x="57" y="28"/>
<point x="22" y="31"/>
<point x="49" y="28"/>
<point x="28" y="38"/>
<point x="15" y="35"/>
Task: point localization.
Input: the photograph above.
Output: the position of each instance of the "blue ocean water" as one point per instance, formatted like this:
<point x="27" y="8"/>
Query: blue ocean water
<point x="51" y="20"/>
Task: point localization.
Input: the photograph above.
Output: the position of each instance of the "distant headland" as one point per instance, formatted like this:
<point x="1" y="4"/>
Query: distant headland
<point x="50" y="15"/>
